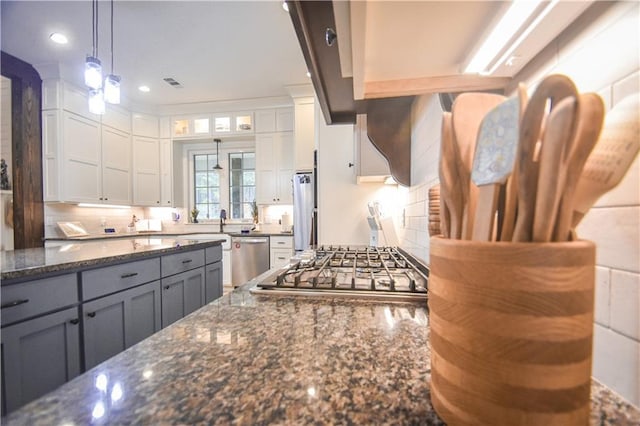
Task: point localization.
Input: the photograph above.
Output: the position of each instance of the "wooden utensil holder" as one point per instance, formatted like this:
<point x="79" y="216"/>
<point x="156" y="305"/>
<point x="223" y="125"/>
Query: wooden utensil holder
<point x="511" y="331"/>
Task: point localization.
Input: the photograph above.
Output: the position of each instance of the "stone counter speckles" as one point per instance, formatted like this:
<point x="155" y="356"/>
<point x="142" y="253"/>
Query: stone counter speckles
<point x="248" y="359"/>
<point x="27" y="263"/>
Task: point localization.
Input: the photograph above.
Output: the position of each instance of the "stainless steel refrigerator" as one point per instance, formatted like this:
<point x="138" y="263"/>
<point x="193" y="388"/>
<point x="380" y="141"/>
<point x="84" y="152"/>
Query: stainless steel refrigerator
<point x="304" y="229"/>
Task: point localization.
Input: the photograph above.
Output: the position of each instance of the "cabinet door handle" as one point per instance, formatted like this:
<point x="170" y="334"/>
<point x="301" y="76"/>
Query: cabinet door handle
<point x="281" y="258"/>
<point x="91" y="314"/>
<point x="187" y="261"/>
<point x="75" y="321"/>
<point x="167" y="287"/>
<point x="157" y="202"/>
<point x="280" y="242"/>
<point x="132" y="274"/>
<point x="14" y="303"/>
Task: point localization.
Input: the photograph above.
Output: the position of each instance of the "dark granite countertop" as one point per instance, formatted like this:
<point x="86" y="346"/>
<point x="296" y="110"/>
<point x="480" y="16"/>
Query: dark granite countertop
<point x="27" y="263"/>
<point x="248" y="359"/>
<point x="162" y="234"/>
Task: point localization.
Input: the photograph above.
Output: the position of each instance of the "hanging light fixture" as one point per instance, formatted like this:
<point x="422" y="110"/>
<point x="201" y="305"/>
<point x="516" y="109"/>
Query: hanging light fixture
<point x="92" y="65"/>
<point x="112" y="81"/>
<point x="217" y="166"/>
<point x="96" y="101"/>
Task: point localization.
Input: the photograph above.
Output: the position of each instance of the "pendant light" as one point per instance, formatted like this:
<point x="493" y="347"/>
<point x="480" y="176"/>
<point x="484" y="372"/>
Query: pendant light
<point x="92" y="65"/>
<point x="112" y="81"/>
<point x="217" y="166"/>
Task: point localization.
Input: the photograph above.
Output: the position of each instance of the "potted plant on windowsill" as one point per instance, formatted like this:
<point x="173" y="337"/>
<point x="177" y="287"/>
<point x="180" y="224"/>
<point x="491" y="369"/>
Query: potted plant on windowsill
<point x="194" y="215"/>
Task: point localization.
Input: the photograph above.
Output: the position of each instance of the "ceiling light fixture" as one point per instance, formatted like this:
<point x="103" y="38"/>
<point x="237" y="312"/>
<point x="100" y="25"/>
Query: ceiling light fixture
<point x="96" y="101"/>
<point x="144" y="89"/>
<point x="308" y="74"/>
<point x="520" y="12"/>
<point x="59" y="38"/>
<point x="217" y="166"/>
<point x="112" y="81"/>
<point x="92" y="65"/>
<point x="285" y="6"/>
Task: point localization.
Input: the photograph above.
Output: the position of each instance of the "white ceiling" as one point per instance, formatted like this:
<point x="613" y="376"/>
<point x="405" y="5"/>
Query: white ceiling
<point x="218" y="50"/>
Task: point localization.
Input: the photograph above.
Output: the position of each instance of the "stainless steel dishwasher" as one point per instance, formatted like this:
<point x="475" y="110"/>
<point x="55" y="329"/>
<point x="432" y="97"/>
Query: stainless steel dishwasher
<point x="249" y="258"/>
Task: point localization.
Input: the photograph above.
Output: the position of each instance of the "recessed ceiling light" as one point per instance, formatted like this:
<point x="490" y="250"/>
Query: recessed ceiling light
<point x="59" y="38"/>
<point x="308" y="74"/>
<point x="285" y="6"/>
<point x="144" y="89"/>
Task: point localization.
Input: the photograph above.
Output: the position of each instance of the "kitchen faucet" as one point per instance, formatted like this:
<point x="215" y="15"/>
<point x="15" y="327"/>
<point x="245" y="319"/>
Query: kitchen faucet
<point x="223" y="217"/>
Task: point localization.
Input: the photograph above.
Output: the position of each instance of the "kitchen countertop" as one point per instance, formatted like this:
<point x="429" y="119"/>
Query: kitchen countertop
<point x="26" y="263"/>
<point x="249" y="359"/>
<point x="93" y="237"/>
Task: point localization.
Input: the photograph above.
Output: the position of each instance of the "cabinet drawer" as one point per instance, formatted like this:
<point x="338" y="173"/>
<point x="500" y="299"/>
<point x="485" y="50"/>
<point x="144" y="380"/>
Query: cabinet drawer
<point x="28" y="299"/>
<point x="102" y="281"/>
<point x="180" y="262"/>
<point x="280" y="257"/>
<point x="213" y="254"/>
<point x="281" y="242"/>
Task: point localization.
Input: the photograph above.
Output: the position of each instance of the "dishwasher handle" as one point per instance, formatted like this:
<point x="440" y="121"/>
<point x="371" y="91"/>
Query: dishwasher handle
<point x="251" y="240"/>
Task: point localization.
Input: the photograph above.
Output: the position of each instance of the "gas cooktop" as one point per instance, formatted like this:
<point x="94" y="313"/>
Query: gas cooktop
<point x="354" y="271"/>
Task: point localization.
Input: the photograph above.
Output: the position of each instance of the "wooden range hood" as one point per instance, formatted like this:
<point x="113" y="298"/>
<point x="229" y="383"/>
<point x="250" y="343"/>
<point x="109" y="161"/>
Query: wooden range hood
<point x="388" y="119"/>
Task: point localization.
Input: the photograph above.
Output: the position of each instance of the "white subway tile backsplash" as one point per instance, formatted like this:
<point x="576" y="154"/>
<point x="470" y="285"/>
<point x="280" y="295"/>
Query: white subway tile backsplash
<point x="616" y="362"/>
<point x="603" y="295"/>
<point x="625" y="299"/>
<point x="627" y="193"/>
<point x="615" y="230"/>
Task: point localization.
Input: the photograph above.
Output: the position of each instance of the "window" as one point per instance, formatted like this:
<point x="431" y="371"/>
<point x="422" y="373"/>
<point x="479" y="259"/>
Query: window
<point x="207" y="185"/>
<point x="242" y="184"/>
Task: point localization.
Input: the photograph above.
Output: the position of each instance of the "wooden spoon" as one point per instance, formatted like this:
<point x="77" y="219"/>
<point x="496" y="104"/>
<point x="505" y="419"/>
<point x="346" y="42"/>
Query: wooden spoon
<point x="494" y="158"/>
<point x="450" y="189"/>
<point x="555" y="87"/>
<point x="467" y="111"/>
<point x="507" y="222"/>
<point x="589" y="125"/>
<point x="612" y="156"/>
<point x="554" y="160"/>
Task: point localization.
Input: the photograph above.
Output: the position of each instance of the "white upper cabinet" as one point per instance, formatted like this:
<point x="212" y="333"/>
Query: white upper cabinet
<point x="146" y="171"/>
<point x="370" y="164"/>
<point x="274" y="168"/>
<point x="117" y="118"/>
<point x="145" y="125"/>
<point x="86" y="157"/>
<point x="304" y="133"/>
<point x="274" y="120"/>
<point x="81" y="160"/>
<point x="116" y="167"/>
<point x="166" y="173"/>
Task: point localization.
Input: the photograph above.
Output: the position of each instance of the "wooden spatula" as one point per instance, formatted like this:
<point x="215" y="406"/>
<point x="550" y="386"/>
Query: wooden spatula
<point x="493" y="162"/>
<point x="554" y="87"/>
<point x="554" y="159"/>
<point x="450" y="184"/>
<point x="467" y="112"/>
<point x="589" y="124"/>
<point x="612" y="156"/>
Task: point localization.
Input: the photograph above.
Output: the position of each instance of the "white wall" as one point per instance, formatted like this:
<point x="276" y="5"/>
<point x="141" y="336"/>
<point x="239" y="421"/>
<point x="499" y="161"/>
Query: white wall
<point x="342" y="204"/>
<point x="601" y="53"/>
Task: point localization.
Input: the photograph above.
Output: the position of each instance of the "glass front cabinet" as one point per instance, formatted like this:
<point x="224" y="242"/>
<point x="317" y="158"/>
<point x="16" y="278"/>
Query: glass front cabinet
<point x="185" y="127"/>
<point x="213" y="125"/>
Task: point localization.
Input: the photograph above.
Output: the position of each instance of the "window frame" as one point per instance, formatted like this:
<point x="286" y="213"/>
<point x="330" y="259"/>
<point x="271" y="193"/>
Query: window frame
<point x="189" y="149"/>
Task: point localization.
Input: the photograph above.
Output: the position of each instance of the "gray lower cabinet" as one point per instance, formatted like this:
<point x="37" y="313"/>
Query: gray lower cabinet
<point x="39" y="355"/>
<point x="116" y="322"/>
<point x="182" y="294"/>
<point x="213" y="282"/>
